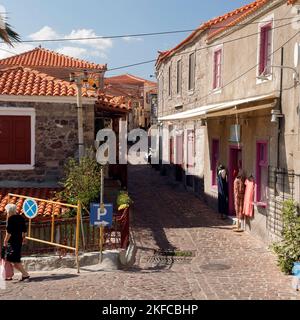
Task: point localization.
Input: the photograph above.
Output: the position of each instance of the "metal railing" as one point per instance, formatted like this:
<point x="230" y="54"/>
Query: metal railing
<point x="63" y="231"/>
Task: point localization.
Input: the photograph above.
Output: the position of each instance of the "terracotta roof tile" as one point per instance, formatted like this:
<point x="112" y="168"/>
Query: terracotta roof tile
<point x="113" y="102"/>
<point x="28" y="82"/>
<point x="129" y="79"/>
<point x="217" y="25"/>
<point x="44" y="209"/>
<point x="40" y="57"/>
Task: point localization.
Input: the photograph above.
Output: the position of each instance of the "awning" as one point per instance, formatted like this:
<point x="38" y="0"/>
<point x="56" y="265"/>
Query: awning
<point x="205" y="111"/>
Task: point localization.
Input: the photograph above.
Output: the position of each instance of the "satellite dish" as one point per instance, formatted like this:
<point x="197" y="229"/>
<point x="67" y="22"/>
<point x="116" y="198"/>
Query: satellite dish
<point x="297" y="55"/>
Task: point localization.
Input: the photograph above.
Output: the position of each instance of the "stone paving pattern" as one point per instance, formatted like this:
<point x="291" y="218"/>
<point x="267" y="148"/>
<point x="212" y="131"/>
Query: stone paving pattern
<point x="227" y="265"/>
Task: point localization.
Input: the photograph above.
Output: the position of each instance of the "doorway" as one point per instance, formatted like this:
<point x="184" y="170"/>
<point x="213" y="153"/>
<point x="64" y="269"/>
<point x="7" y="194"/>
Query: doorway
<point x="235" y="164"/>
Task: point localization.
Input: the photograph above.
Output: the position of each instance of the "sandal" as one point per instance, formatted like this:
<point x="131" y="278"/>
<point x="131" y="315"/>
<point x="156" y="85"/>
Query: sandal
<point x="10" y="279"/>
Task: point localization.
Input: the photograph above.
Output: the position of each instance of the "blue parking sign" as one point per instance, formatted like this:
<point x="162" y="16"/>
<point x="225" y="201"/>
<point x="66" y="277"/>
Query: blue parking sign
<point x="97" y="218"/>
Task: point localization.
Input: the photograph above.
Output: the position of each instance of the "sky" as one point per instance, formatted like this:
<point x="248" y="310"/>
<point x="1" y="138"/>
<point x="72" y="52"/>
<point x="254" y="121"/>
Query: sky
<point x="50" y="19"/>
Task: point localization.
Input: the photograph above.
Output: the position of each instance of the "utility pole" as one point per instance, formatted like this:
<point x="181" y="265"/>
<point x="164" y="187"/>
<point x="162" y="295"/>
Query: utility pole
<point x="79" y="80"/>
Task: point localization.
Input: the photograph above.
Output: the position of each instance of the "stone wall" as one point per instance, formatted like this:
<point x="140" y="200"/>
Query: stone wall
<point x="56" y="141"/>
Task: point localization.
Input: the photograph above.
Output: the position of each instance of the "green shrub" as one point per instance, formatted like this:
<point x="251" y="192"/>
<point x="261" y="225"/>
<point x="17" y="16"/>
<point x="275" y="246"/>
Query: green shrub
<point x="288" y="249"/>
<point x="123" y="199"/>
<point x="82" y="181"/>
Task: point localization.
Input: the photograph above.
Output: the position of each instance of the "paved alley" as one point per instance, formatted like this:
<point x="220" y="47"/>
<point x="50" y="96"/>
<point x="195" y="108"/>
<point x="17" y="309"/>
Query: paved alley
<point x="226" y="265"/>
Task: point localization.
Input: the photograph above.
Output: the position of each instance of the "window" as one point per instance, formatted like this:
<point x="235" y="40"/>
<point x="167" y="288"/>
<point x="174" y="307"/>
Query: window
<point x="179" y="76"/>
<point x="169" y="82"/>
<point x="265" y="49"/>
<point x="192" y="62"/>
<point x="215" y="153"/>
<point x="15" y="140"/>
<point x="261" y="171"/>
<point x="217" y="72"/>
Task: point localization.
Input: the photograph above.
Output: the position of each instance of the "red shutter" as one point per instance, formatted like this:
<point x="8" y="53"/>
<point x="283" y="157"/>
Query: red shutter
<point x="5" y="137"/>
<point x="15" y="140"/>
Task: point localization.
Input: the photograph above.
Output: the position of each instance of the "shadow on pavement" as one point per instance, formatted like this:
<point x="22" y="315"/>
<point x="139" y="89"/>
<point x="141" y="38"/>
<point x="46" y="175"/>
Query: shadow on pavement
<point x="54" y="277"/>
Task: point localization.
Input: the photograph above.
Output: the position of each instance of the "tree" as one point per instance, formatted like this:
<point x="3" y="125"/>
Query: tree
<point x="8" y="35"/>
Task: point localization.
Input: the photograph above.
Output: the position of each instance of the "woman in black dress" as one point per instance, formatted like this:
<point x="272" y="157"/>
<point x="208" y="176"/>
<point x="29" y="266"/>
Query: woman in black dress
<point x="14" y="238"/>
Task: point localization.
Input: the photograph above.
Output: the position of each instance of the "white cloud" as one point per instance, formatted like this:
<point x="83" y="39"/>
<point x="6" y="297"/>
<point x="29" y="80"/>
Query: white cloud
<point x="100" y="44"/>
<point x="132" y="39"/>
<point x="6" y="51"/>
<point x="76" y="52"/>
<point x="83" y="48"/>
<point x="46" y="33"/>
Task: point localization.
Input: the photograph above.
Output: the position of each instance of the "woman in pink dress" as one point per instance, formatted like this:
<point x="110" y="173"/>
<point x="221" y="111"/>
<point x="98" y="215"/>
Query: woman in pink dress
<point x="249" y="198"/>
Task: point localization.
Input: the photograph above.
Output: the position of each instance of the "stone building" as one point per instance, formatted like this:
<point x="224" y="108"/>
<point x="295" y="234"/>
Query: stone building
<point x="38" y="116"/>
<point x="229" y="94"/>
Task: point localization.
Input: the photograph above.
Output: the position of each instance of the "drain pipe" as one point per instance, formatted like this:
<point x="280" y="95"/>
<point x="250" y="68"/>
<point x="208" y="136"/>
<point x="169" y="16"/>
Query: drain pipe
<point x="280" y="111"/>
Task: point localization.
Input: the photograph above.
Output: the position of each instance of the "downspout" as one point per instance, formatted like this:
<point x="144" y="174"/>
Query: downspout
<point x="279" y="119"/>
<point x="280" y="109"/>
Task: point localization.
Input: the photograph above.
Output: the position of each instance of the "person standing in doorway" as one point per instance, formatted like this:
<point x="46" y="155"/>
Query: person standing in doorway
<point x="15" y="238"/>
<point x="222" y="191"/>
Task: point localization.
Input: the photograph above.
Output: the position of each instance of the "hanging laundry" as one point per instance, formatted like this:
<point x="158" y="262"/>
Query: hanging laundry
<point x="248" y="209"/>
<point x="239" y="194"/>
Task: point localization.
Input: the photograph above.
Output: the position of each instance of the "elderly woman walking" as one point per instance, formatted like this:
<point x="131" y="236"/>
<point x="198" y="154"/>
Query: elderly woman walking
<point x="14" y="239"/>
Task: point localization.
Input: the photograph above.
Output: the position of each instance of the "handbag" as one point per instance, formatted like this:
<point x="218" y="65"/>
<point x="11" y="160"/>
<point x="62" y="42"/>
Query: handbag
<point x="6" y="270"/>
<point x="6" y="252"/>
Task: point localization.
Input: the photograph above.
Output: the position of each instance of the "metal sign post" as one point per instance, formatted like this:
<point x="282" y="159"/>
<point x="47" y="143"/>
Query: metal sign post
<point x="102" y="210"/>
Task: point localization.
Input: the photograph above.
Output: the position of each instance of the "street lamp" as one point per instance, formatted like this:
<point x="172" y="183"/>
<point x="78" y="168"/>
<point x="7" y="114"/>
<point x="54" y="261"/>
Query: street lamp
<point x="265" y="76"/>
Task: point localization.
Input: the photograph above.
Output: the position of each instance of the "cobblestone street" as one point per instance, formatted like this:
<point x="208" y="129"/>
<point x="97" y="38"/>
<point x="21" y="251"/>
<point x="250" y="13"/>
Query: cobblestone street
<point x="226" y="265"/>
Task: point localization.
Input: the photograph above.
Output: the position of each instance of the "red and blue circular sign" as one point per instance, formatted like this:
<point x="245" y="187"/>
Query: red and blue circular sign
<point x="30" y="208"/>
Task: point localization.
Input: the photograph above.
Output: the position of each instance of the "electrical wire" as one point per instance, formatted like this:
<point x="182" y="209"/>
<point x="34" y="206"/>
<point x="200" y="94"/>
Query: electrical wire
<point x="201" y="48"/>
<point x="143" y="34"/>
<point x="188" y="52"/>
<point x="244" y="73"/>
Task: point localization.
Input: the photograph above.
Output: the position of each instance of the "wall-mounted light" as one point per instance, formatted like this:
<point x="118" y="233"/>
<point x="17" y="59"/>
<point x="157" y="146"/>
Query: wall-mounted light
<point x="276" y="115"/>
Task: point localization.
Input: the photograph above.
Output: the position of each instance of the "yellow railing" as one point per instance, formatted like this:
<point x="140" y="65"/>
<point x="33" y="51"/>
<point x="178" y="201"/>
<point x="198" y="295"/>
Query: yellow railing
<point x="51" y="242"/>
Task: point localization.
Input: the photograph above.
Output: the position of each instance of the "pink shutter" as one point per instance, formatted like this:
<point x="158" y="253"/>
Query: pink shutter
<point x="215" y="70"/>
<point x="190" y="148"/>
<point x="262" y="57"/>
<point x="268" y="46"/>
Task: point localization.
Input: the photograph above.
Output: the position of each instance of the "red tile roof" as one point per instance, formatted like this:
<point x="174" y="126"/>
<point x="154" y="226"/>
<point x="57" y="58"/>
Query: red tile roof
<point x="113" y="102"/>
<point x="217" y="25"/>
<point x="40" y="57"/>
<point x="21" y="81"/>
<point x="44" y="209"/>
<point x="129" y="79"/>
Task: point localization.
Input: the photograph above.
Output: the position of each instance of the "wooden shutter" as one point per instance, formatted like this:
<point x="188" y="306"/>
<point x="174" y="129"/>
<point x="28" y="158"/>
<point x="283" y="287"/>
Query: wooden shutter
<point x="179" y="149"/>
<point x="217" y="69"/>
<point x="5" y="137"/>
<point x="15" y="139"/>
<point x="265" y="48"/>
<point x="190" y="148"/>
